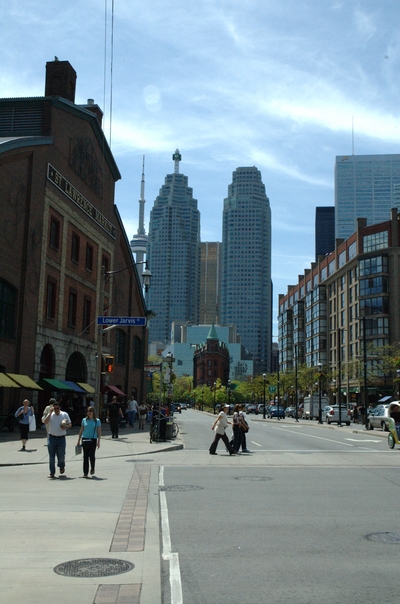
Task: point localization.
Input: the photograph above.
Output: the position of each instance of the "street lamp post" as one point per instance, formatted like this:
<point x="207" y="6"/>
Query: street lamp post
<point x="319" y="393"/>
<point x="215" y="390"/>
<point x="264" y="376"/>
<point x="146" y="281"/>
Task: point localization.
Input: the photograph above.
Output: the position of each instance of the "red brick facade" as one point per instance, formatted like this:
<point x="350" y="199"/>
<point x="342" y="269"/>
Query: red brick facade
<point x="60" y="226"/>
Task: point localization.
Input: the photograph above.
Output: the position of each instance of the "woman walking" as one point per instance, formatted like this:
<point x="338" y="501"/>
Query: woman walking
<point x="237" y="428"/>
<point x="23" y="414"/>
<point x="90" y="435"/>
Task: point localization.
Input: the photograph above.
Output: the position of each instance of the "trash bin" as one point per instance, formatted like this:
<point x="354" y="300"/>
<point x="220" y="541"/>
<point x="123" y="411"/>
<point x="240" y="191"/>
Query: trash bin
<point x="168" y="431"/>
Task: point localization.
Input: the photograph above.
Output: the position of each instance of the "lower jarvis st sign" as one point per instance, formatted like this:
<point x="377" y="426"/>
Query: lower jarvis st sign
<point x="127" y="321"/>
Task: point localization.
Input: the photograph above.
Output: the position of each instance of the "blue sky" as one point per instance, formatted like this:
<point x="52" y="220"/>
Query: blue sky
<point x="230" y="83"/>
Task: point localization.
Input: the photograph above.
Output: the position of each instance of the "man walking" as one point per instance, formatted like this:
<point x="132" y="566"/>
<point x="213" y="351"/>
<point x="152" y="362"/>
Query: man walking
<point x="132" y="411"/>
<point x="59" y="422"/>
<point x="220" y="425"/>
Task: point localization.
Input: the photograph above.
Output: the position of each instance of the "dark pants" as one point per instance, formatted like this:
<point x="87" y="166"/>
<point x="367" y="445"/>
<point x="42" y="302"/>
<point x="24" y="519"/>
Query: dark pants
<point x="225" y="439"/>
<point x="114" y="425"/>
<point x="56" y="446"/>
<point x="89" y="454"/>
<point x="237" y="437"/>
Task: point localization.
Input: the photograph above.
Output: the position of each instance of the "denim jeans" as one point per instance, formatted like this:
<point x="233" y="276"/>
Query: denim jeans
<point x="56" y="446"/>
<point x="131" y="417"/>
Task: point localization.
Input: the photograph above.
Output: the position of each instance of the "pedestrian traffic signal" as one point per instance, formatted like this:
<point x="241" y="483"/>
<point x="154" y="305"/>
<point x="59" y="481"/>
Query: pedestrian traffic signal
<point x="107" y="363"/>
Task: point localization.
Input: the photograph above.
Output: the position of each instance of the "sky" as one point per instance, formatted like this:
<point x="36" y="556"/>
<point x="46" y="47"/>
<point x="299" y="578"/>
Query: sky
<point x="277" y="85"/>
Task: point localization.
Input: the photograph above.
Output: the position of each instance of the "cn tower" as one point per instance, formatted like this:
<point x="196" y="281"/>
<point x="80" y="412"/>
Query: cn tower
<point x="139" y="241"/>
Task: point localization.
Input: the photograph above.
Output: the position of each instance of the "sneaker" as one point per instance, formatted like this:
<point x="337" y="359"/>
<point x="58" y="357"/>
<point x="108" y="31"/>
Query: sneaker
<point x="62" y="470"/>
<point x="50" y="476"/>
<point x="246" y="451"/>
<point x="212" y="453"/>
<point x="85" y="476"/>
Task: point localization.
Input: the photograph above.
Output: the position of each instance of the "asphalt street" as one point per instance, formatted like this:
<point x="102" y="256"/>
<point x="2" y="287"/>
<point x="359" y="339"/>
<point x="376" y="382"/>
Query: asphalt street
<point x="307" y="517"/>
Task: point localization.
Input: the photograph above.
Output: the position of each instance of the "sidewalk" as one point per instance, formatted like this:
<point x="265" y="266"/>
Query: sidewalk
<point x="93" y="527"/>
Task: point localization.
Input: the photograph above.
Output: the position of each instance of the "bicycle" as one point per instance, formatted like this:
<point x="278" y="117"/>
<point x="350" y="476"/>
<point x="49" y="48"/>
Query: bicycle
<point x="175" y="430"/>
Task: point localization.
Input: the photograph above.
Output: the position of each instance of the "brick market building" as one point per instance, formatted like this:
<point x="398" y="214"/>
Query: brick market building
<point x="61" y="232"/>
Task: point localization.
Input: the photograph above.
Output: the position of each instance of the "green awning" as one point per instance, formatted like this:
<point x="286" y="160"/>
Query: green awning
<point x="53" y="384"/>
<point x="5" y="382"/>
<point x="24" y="381"/>
<point x="86" y="387"/>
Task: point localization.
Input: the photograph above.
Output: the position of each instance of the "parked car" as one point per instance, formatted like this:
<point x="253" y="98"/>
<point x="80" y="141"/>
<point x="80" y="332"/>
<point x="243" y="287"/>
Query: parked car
<point x="332" y="416"/>
<point x="378" y="418"/>
<point x="177" y="407"/>
<point x="274" y="411"/>
<point x="250" y="408"/>
<point x="290" y="411"/>
<point x="184" y="406"/>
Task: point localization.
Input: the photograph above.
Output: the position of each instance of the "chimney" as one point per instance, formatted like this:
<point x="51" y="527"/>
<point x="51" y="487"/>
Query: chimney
<point x="91" y="106"/>
<point x="60" y="80"/>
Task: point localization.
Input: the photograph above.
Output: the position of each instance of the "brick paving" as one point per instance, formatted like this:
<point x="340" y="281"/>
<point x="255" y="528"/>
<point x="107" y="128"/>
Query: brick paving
<point x="130" y="530"/>
<point x="118" y="594"/>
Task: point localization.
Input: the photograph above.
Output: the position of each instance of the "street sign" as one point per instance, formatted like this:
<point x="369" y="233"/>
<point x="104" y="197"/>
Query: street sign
<point x="126" y="321"/>
<point x="272" y="389"/>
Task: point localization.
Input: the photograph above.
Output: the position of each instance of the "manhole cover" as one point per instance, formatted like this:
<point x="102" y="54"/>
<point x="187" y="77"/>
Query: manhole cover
<point x="255" y="478"/>
<point x="384" y="537"/>
<point x="93" y="567"/>
<point x="181" y="487"/>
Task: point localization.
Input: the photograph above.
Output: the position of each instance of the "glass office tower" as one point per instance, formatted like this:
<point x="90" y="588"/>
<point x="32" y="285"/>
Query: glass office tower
<point x="173" y="253"/>
<point x="366" y="186"/>
<point x="246" y="290"/>
<point x="324" y="230"/>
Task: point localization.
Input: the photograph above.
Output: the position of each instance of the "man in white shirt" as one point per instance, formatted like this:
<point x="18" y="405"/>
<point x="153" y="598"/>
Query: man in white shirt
<point x="132" y="410"/>
<point x="220" y="425"/>
<point x="59" y="422"/>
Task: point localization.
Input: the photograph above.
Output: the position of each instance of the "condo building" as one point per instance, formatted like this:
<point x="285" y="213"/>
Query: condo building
<point x="343" y="305"/>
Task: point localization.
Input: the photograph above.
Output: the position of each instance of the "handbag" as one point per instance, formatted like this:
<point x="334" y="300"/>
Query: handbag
<point x="32" y="423"/>
<point x="78" y="449"/>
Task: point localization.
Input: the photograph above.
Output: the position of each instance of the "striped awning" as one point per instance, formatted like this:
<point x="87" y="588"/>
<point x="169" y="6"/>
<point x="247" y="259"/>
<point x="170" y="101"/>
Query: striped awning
<point x="6" y="382"/>
<point x="24" y="381"/>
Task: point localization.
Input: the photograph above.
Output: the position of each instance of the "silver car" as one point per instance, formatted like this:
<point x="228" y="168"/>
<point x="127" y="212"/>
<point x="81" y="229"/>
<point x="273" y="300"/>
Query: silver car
<point x="332" y="416"/>
<point x="378" y="418"/>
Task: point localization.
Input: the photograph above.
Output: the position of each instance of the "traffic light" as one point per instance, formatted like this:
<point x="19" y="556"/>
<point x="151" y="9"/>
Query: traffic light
<point x="107" y="364"/>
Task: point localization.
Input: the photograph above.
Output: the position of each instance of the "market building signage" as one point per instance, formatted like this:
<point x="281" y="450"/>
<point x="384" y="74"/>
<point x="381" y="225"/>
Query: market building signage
<point x="65" y="187"/>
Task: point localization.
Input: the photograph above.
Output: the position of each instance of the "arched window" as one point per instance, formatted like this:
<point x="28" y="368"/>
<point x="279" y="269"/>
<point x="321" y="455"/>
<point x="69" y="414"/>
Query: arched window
<point x="137" y="353"/>
<point x="8" y="304"/>
<point x="47" y="362"/>
<point x="120" y="347"/>
<point x="76" y="370"/>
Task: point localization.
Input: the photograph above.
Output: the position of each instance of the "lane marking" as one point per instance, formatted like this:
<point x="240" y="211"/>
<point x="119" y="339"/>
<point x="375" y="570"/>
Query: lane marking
<point x="331" y="440"/>
<point x="175" y="580"/>
<point x="364" y="440"/>
<point x="253" y="442"/>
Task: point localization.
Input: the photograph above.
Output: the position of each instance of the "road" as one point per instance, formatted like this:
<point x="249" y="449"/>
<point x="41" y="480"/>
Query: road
<point x="291" y="522"/>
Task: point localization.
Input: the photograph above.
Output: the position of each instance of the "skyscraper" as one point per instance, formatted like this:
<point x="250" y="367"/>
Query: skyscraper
<point x="210" y="278"/>
<point x="173" y="253"/>
<point x="366" y="186"/>
<point x="246" y="291"/>
<point x="324" y="230"/>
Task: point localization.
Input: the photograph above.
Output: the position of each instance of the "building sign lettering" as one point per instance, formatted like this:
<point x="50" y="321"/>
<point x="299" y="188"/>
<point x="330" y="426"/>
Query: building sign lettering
<point x="65" y="187"/>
